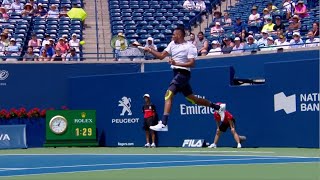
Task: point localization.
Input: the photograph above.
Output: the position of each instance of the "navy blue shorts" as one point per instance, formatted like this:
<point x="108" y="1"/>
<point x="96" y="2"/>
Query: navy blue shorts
<point x="180" y="82"/>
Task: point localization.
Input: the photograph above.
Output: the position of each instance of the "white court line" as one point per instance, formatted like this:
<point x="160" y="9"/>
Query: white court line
<point x="92" y="154"/>
<point x="164" y="167"/>
<point x="253" y="152"/>
<point x="141" y="163"/>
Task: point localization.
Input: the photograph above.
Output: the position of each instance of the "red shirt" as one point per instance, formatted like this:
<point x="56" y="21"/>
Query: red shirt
<point x="148" y="110"/>
<point x="228" y="117"/>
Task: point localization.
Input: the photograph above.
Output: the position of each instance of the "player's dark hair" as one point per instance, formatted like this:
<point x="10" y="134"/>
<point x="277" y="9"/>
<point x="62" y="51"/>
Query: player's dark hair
<point x="200" y="33"/>
<point x="191" y="34"/>
<point x="181" y="29"/>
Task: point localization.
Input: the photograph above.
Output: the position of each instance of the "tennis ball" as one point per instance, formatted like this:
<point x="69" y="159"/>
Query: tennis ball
<point x="82" y="42"/>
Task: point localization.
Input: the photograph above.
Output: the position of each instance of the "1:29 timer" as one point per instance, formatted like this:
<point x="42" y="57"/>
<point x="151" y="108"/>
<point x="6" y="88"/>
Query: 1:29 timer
<point x="83" y="131"/>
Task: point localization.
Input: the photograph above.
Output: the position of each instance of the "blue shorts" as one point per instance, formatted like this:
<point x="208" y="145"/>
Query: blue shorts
<point x="180" y="82"/>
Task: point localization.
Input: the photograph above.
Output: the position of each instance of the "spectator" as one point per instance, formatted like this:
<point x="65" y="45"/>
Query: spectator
<point x="263" y="41"/>
<point x="200" y="5"/>
<point x="278" y="27"/>
<point x="252" y="34"/>
<point x="295" y="24"/>
<point x="217" y="30"/>
<point x="239" y="28"/>
<point x="62" y="46"/>
<point x="44" y="55"/>
<point x="192" y="39"/>
<point x="254" y="18"/>
<point x="72" y="56"/>
<point x="282" y="42"/>
<point x="238" y="47"/>
<point x="289" y="6"/>
<point x="4" y="39"/>
<point x="312" y="41"/>
<point x="269" y="25"/>
<point x="40" y="11"/>
<point x="47" y="37"/>
<point x="270" y="45"/>
<point x="53" y="12"/>
<point x="296" y="42"/>
<point x="315" y="29"/>
<point x="266" y="15"/>
<point x="189" y="4"/>
<point x="30" y="56"/>
<point x="217" y="17"/>
<point x="58" y="56"/>
<point x="120" y="45"/>
<point x="63" y="12"/>
<point x="7" y="4"/>
<point x="301" y="10"/>
<point x="250" y="45"/>
<point x="49" y="50"/>
<point x="271" y="8"/>
<point x="150" y="44"/>
<point x="13" y="48"/>
<point x="216" y="49"/>
<point x="5" y="15"/>
<point x="34" y="5"/>
<point x="227" y="20"/>
<point x="34" y="42"/>
<point x="65" y="37"/>
<point x="28" y="10"/>
<point x="202" y="45"/>
<point x="228" y="46"/>
<point x="16" y="7"/>
<point x="2" y="50"/>
<point x="74" y="42"/>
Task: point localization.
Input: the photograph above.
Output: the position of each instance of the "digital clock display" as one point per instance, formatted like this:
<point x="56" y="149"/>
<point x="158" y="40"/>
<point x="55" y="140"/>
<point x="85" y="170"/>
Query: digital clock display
<point x="83" y="131"/>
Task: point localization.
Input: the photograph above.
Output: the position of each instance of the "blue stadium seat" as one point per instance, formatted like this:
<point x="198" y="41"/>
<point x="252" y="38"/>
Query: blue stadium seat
<point x="160" y="27"/>
<point x="141" y="31"/>
<point x="139" y="18"/>
<point x="126" y="10"/>
<point x="161" y="10"/>
<point x="129" y="23"/>
<point x="114" y="23"/>
<point x="142" y="23"/>
<point x="138" y="10"/>
<point x="136" y="14"/>
<point x="154" y="23"/>
<point x="150" y="10"/>
<point x="154" y="31"/>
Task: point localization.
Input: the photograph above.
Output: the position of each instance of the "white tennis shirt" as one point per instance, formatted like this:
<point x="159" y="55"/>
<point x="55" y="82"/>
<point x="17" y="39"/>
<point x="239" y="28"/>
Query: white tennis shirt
<point x="181" y="53"/>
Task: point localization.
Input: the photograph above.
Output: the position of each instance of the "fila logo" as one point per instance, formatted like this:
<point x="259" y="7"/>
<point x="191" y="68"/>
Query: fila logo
<point x="193" y="143"/>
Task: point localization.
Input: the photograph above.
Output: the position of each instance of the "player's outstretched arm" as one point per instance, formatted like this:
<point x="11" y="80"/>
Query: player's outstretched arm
<point x="159" y="55"/>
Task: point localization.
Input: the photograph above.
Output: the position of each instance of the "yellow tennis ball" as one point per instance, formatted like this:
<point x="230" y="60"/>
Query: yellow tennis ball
<point x="82" y="42"/>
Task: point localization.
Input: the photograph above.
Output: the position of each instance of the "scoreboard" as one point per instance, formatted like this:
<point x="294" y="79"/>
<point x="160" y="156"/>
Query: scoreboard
<point x="71" y="128"/>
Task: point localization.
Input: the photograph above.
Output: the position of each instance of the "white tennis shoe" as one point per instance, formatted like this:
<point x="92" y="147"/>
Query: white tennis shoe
<point x="213" y="145"/>
<point x="159" y="127"/>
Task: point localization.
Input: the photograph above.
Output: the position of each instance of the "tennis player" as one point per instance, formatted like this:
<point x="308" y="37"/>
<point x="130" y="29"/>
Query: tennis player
<point x="183" y="55"/>
<point x="223" y="125"/>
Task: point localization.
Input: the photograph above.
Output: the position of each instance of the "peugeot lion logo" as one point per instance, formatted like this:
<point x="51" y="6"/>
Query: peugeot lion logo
<point x="125" y="102"/>
<point x="3" y="75"/>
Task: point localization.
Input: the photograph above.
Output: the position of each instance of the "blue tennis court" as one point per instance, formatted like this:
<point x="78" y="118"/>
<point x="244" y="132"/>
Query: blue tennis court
<point x="32" y="164"/>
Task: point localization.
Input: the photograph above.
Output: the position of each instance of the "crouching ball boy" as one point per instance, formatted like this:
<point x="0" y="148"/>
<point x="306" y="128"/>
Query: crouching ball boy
<point x="223" y="125"/>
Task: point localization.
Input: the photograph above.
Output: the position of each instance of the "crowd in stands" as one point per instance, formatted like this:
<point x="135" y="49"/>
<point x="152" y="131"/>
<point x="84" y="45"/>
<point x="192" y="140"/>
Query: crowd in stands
<point x="37" y="48"/>
<point x="267" y="31"/>
<point x="283" y="26"/>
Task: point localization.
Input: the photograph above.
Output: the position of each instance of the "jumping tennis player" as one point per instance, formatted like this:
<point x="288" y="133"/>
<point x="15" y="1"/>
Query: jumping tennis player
<point x="223" y="125"/>
<point x="183" y="55"/>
